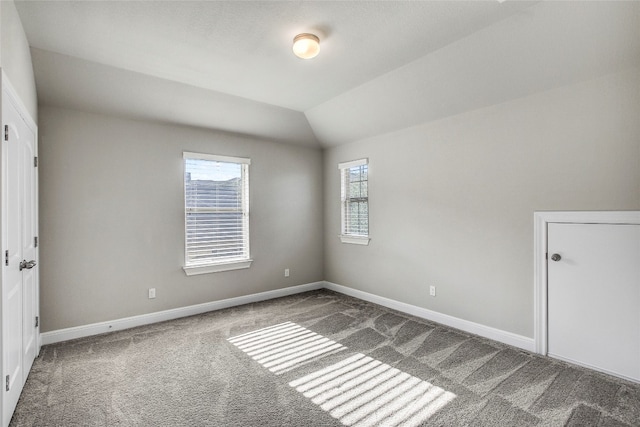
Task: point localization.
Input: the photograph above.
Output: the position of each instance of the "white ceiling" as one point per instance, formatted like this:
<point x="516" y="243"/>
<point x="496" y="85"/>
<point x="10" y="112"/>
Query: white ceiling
<point x="84" y="85"/>
<point x="383" y="65"/>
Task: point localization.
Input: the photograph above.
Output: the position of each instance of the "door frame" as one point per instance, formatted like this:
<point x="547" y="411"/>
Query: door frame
<point x="541" y="220"/>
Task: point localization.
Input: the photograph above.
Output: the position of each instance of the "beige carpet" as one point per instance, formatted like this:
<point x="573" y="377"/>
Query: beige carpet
<point x="313" y="359"/>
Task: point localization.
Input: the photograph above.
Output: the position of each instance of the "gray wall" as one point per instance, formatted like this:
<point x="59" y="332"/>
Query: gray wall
<point x="112" y="221"/>
<point x="452" y="202"/>
<point x="15" y="57"/>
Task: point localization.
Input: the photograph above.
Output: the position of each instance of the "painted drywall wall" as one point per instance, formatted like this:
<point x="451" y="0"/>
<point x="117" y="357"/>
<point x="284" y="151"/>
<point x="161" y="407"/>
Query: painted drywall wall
<point x="452" y="201"/>
<point x="15" y="58"/>
<point x="112" y="220"/>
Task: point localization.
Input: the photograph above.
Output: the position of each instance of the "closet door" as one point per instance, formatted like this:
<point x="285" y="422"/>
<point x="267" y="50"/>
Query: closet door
<point x="29" y="218"/>
<point x="19" y="268"/>
<point x="594" y="295"/>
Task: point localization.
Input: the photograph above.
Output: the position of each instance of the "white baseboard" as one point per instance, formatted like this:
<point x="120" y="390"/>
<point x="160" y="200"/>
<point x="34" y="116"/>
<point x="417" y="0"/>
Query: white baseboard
<point x="160" y="316"/>
<point x="444" y="319"/>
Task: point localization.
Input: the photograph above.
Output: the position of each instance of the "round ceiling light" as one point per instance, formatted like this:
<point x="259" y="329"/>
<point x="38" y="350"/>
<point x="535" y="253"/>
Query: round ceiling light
<point x="306" y="46"/>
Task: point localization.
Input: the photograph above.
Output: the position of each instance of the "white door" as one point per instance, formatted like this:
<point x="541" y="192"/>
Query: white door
<point x="594" y="296"/>
<point x="28" y="187"/>
<point x="20" y="274"/>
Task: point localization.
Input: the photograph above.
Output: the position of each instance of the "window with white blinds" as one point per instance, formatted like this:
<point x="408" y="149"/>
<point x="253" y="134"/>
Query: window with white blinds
<point x="354" y="195"/>
<point x="216" y="190"/>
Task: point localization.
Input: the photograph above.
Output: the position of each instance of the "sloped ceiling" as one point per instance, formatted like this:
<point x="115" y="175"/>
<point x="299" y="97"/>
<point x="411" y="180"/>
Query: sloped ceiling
<point x="383" y="65"/>
<point x="84" y="85"/>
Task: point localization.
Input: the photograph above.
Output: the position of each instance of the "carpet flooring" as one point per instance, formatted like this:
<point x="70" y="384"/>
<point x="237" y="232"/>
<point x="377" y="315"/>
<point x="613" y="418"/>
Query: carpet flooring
<point x="312" y="359"/>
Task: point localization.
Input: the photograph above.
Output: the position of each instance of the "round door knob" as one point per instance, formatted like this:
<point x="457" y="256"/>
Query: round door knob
<point x="556" y="257"/>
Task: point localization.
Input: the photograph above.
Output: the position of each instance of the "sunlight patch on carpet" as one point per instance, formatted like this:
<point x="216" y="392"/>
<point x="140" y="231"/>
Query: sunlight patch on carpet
<point x="283" y="347"/>
<point x="359" y="391"/>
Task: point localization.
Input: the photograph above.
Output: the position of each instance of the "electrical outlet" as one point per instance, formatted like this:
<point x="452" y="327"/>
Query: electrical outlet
<point x="152" y="293"/>
<point x="432" y="291"/>
<point x="286" y="272"/>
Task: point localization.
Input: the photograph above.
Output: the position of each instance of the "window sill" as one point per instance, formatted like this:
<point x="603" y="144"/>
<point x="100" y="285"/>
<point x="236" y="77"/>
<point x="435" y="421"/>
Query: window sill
<point x="192" y="270"/>
<point x="355" y="240"/>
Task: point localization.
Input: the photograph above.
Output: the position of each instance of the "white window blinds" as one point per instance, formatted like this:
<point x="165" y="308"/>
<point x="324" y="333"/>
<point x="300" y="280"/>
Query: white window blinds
<point x="216" y="209"/>
<point x="355" y="198"/>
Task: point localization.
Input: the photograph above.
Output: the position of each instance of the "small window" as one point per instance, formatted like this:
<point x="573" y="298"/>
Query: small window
<point x="354" y="196"/>
<point x="216" y="195"/>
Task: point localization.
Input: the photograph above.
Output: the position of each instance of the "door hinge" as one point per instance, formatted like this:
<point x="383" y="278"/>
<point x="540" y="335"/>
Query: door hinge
<point x="35" y="162"/>
<point x="546" y="256"/>
<point x="6" y="132"/>
<point x="7" y="387"/>
<point x="37" y="321"/>
<point x="6" y="257"/>
<point x="35" y="241"/>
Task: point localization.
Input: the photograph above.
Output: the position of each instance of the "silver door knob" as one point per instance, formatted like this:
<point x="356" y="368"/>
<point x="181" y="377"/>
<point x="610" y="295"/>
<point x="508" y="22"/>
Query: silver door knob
<point x="556" y="257"/>
<point x="27" y="264"/>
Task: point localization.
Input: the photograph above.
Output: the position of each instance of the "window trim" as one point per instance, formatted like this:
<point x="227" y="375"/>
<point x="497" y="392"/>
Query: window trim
<point x="355" y="239"/>
<point x="193" y="270"/>
<point x="215" y="158"/>
<point x="224" y="265"/>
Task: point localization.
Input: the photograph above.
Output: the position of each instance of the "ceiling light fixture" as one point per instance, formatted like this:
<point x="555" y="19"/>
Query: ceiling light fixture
<point x="306" y="46"/>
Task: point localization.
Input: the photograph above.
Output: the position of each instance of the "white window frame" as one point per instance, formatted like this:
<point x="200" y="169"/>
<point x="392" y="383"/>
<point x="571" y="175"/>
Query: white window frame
<point x="212" y="266"/>
<point x="345" y="237"/>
